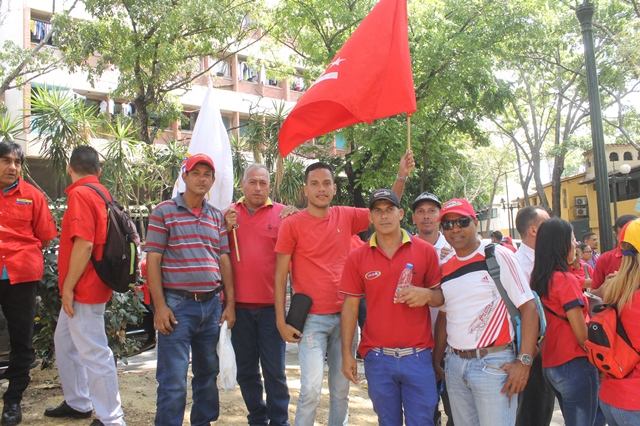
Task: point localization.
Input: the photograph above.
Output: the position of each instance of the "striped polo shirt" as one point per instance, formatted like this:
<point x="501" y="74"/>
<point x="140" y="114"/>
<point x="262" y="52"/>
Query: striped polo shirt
<point x="190" y="245"/>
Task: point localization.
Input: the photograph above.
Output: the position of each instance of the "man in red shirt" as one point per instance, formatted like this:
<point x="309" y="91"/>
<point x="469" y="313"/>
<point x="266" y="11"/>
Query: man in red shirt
<point x="396" y="340"/>
<point x="26" y="226"/>
<point x="316" y="243"/>
<point x="255" y="337"/>
<point x="85" y="362"/>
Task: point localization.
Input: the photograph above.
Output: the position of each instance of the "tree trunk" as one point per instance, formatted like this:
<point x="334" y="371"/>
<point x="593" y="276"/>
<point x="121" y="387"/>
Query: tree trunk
<point x="142" y="117"/>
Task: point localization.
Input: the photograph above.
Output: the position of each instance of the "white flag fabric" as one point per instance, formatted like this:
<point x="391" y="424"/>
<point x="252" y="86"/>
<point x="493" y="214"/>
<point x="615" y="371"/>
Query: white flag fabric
<point x="210" y="137"/>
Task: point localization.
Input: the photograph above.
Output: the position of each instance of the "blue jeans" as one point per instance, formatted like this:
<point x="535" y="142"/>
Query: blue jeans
<point x="474" y="387"/>
<point x="618" y="416"/>
<point x="321" y="335"/>
<point x="198" y="328"/>
<point x="257" y="342"/>
<point x="575" y="384"/>
<point x="396" y="383"/>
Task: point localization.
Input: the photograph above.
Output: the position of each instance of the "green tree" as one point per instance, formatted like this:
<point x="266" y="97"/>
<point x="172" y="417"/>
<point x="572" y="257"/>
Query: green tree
<point x="157" y="45"/>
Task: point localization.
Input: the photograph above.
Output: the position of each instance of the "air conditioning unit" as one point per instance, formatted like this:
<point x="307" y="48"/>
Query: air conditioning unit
<point x="582" y="211"/>
<point x="581" y="201"/>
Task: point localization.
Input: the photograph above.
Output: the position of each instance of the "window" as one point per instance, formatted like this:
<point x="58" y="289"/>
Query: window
<point x="588" y="163"/>
<point x="627" y="156"/>
<point x="222" y="69"/>
<point x="613" y="156"/>
<point x="297" y="84"/>
<point x="39" y="30"/>
<point x="243" y="126"/>
<point x="494" y="212"/>
<point x="564" y="198"/>
<point x="247" y="73"/>
<point x="188" y="120"/>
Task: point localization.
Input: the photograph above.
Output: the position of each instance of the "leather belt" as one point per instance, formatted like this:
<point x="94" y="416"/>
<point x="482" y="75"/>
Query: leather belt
<point x="398" y="352"/>
<point x="198" y="297"/>
<point x="480" y="352"/>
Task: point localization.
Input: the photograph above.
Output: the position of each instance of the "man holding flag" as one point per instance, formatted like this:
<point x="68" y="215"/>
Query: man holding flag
<point x="316" y="243"/>
<point x="188" y="264"/>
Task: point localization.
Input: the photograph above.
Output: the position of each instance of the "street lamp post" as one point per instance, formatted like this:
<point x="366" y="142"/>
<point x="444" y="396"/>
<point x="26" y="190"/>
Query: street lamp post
<point x="584" y="12"/>
<point x="624" y="169"/>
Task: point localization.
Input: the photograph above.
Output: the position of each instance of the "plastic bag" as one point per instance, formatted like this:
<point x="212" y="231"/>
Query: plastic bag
<point x="227" y="359"/>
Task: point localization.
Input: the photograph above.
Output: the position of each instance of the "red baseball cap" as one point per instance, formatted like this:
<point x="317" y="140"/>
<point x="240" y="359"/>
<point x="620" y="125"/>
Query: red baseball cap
<point x="457" y="205"/>
<point x="197" y="159"/>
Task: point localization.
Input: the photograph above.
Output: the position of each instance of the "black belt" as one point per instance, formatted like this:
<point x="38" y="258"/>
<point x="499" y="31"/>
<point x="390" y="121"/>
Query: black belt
<point x="479" y="353"/>
<point x="198" y="297"/>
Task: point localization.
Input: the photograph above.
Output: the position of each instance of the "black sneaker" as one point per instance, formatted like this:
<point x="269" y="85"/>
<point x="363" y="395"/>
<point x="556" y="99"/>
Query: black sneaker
<point x="63" y="410"/>
<point x="96" y="422"/>
<point x="11" y="414"/>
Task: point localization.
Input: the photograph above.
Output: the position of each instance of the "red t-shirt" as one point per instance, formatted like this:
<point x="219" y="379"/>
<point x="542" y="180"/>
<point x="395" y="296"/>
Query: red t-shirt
<point x="625" y="393"/>
<point x="608" y="262"/>
<point x="371" y="273"/>
<point x="319" y="249"/>
<point x="579" y="273"/>
<point x="85" y="217"/>
<point x="560" y="344"/>
<point x="254" y="275"/>
<point x="25" y="221"/>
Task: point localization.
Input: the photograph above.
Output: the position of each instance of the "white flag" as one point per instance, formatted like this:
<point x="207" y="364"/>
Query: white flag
<point x="210" y="137"/>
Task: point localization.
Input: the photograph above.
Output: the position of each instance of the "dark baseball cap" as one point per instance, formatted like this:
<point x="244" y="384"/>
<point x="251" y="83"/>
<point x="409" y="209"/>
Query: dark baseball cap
<point x="426" y="196"/>
<point x="383" y="194"/>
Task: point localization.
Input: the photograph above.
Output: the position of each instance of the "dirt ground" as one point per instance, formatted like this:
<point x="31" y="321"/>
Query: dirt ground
<point x="138" y="392"/>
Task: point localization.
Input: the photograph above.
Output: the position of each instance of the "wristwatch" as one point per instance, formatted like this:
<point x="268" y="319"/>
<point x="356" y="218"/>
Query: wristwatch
<point x="525" y="359"/>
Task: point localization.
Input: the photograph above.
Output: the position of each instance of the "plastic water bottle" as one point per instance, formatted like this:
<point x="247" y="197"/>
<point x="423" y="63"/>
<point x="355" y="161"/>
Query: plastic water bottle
<point x="405" y="279"/>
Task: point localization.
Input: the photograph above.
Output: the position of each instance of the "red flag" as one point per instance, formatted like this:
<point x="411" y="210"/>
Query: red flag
<point x="369" y="78"/>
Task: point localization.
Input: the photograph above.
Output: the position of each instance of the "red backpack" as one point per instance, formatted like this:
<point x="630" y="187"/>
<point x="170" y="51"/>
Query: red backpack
<point x="608" y="346"/>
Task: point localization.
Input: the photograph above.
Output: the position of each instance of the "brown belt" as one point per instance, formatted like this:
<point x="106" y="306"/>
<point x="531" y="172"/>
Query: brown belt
<point x="198" y="297"/>
<point x="479" y="353"/>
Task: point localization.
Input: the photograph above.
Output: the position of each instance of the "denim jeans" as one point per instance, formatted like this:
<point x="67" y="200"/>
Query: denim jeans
<point x="197" y="329"/>
<point x="474" y="387"/>
<point x="407" y="383"/>
<point x="618" y="416"/>
<point x="85" y="363"/>
<point x="321" y="335"/>
<point x="575" y="384"/>
<point x="257" y="342"/>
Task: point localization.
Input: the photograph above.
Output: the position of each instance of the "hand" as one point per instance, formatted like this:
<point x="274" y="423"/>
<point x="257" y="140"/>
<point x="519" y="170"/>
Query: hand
<point x="444" y="252"/>
<point x="288" y="211"/>
<point x="608" y="277"/>
<point x="163" y="318"/>
<point x="439" y="372"/>
<point x="413" y="296"/>
<point x="228" y="315"/>
<point x="67" y="302"/>
<point x="231" y="218"/>
<point x="407" y="164"/>
<point x="289" y="334"/>
<point x="517" y="380"/>
<point x="350" y="368"/>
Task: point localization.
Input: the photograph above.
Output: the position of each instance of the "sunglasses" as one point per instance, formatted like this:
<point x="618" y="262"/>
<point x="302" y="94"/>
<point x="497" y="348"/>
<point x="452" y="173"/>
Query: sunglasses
<point x="462" y="222"/>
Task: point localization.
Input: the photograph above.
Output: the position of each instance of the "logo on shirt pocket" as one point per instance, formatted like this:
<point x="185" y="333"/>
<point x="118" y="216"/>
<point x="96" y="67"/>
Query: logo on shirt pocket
<point x="372" y="275"/>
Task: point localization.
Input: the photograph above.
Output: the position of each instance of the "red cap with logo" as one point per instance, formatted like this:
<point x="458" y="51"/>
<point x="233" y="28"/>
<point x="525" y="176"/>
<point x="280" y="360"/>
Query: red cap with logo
<point x="459" y="206"/>
<point x="197" y="159"/>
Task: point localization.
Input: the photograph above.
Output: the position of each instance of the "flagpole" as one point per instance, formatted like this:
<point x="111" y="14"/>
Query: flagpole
<point x="235" y="241"/>
<point x="408" y="131"/>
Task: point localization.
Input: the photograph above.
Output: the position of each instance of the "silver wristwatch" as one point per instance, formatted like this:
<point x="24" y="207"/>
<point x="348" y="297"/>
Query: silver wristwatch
<point x="525" y="359"/>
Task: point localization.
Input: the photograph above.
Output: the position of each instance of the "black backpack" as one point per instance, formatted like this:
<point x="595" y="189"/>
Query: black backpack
<point x="120" y="264"/>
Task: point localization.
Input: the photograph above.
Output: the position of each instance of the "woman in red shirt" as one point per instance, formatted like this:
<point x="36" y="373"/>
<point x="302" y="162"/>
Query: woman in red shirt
<point x="620" y="398"/>
<point x="565" y="365"/>
<point x="581" y="268"/>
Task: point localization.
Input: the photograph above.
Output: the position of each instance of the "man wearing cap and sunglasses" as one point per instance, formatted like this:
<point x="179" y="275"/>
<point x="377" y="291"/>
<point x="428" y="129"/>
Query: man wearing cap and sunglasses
<point x="187" y="262"/>
<point x="481" y="368"/>
<point x="396" y="340"/>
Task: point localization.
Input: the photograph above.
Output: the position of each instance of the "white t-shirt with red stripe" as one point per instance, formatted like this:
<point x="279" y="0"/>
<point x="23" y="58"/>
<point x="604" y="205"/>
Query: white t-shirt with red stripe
<point x="476" y="315"/>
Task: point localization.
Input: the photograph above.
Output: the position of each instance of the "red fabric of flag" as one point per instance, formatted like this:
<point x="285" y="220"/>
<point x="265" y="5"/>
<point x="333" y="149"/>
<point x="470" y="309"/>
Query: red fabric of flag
<point x="369" y="78"/>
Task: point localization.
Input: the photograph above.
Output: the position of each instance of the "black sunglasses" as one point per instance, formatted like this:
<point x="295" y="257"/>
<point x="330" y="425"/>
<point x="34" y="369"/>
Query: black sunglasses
<point x="462" y="222"/>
